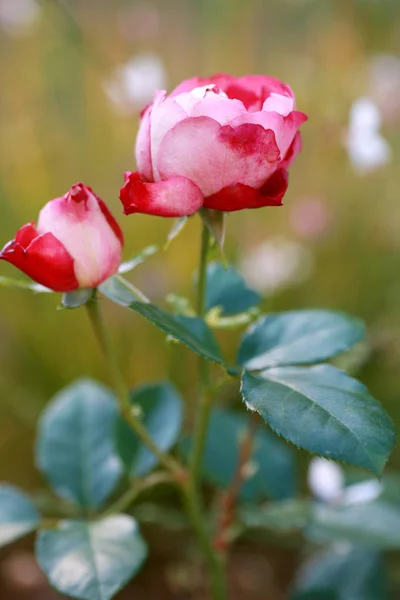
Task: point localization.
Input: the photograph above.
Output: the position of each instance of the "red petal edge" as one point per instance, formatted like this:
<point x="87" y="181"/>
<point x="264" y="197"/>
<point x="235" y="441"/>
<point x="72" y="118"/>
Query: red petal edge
<point x="110" y="220"/>
<point x="174" y="197"/>
<point x="293" y="151"/>
<point x="43" y="258"/>
<point x="240" y="196"/>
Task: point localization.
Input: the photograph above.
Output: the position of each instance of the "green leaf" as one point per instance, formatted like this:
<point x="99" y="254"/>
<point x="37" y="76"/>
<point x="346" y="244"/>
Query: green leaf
<point x="324" y="411"/>
<point x="298" y="337"/>
<point x="137" y="260"/>
<point x="375" y="524"/>
<point x="390" y="488"/>
<point x="343" y="574"/>
<point x="18" y="516"/>
<point x="160" y="409"/>
<point x="91" y="560"/>
<point x="193" y="332"/>
<point x="271" y="469"/>
<point x="25" y="285"/>
<point x="227" y="288"/>
<point x="120" y="291"/>
<point x="76" y="298"/>
<point x="177" y="227"/>
<point x="75" y="446"/>
<point x="285" y="516"/>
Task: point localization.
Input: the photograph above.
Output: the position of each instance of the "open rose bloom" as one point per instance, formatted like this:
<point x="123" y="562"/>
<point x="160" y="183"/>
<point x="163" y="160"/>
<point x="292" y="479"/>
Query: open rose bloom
<point x="76" y="244"/>
<point x="223" y="143"/>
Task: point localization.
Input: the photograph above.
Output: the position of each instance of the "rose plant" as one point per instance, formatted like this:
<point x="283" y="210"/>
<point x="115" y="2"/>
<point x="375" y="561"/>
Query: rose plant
<point x="212" y="146"/>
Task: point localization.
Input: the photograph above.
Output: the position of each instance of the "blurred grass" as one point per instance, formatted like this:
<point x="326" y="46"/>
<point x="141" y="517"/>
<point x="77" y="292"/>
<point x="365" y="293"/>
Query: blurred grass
<point x="57" y="127"/>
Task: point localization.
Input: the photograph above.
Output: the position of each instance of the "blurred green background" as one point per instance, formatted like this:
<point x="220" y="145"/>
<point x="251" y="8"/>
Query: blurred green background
<point x="74" y="76"/>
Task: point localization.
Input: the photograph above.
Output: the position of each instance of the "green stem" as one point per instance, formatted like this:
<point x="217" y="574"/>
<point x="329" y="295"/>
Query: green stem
<point x="127" y="410"/>
<point x="192" y="494"/>
<point x="135" y="490"/>
<point x="214" y="560"/>
<point x="202" y="281"/>
<point x="204" y="402"/>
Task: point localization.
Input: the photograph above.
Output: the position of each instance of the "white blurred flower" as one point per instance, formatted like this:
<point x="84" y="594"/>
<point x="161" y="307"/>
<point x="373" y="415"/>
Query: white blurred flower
<point x="17" y="16"/>
<point x="276" y="264"/>
<point x="366" y="491"/>
<point x="366" y="147"/>
<point x="384" y="84"/>
<point x="133" y="85"/>
<point x="325" y="480"/>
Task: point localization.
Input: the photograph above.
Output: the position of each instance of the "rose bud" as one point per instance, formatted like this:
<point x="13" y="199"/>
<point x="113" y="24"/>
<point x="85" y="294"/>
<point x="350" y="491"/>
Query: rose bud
<point x="76" y="244"/>
<point x="222" y="143"/>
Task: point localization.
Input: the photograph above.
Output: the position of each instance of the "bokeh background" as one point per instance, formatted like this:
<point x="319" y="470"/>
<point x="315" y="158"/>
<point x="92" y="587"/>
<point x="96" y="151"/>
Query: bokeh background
<point x="74" y="77"/>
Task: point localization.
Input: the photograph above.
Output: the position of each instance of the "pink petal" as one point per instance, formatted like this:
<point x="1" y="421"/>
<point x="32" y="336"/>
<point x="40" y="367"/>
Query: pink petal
<point x="43" y="258"/>
<point x="285" y="128"/>
<point x="239" y="196"/>
<point x="143" y="149"/>
<point x="228" y="84"/>
<point x="251" y="90"/>
<point x="293" y="151"/>
<point x="176" y="197"/>
<point x="165" y="114"/>
<point x="111" y="221"/>
<point x="81" y="193"/>
<point x="279" y="103"/>
<point x="263" y="86"/>
<point x="221" y="80"/>
<point x="220" y="109"/>
<point x="215" y="156"/>
<point x="210" y="101"/>
<point x="188" y="85"/>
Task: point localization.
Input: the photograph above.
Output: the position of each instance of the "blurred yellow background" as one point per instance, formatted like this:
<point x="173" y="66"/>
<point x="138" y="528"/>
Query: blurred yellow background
<point x="74" y="77"/>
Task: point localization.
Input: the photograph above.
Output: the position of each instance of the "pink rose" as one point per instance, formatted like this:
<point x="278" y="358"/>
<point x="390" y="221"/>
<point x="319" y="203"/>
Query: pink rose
<point x="223" y="143"/>
<point x="76" y="244"/>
